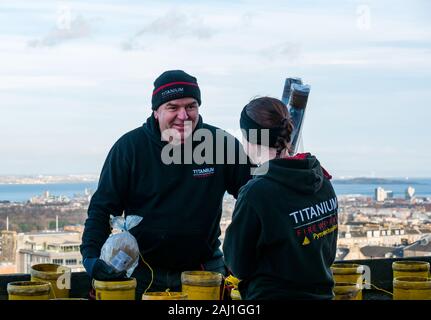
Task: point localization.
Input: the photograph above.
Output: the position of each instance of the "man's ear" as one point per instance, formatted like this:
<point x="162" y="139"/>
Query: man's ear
<point x="156" y="115"/>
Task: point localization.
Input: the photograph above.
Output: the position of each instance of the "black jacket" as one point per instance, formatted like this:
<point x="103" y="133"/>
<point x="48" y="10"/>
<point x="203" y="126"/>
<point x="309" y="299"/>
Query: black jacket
<point x="283" y="236"/>
<point x="181" y="204"/>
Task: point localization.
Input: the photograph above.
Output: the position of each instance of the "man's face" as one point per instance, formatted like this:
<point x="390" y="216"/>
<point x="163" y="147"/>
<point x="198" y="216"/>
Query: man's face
<point x="181" y="115"/>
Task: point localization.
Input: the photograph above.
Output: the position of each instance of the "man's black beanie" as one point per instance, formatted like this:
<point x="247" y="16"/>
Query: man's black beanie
<point x="174" y="84"/>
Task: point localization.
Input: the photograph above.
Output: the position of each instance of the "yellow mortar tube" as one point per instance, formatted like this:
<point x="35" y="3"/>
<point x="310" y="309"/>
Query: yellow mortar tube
<point x="410" y="269"/>
<point x="28" y="290"/>
<point x="164" y="295"/>
<point x="412" y="288"/>
<point x="347" y="291"/>
<point x="115" y="290"/>
<point x="349" y="273"/>
<point x="201" y="285"/>
<point x="58" y="276"/>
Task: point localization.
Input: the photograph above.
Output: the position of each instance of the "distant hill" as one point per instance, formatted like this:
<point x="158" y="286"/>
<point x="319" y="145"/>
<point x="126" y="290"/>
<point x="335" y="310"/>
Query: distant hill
<point x="379" y="181"/>
<point x="48" y="179"/>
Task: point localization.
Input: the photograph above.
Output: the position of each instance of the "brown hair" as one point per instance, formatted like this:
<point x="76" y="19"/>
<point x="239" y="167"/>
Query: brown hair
<point x="272" y="113"/>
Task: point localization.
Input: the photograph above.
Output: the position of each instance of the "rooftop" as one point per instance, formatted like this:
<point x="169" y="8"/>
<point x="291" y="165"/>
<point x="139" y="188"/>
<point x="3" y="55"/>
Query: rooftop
<point x="423" y="246"/>
<point x="381" y="277"/>
<point x="49" y="232"/>
<point x="377" y="251"/>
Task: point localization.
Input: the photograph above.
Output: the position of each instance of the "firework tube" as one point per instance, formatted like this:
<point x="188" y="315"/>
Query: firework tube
<point x="297" y="106"/>
<point x="287" y="89"/>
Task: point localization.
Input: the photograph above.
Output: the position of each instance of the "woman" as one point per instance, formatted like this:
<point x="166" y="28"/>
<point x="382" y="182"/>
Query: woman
<point x="283" y="236"/>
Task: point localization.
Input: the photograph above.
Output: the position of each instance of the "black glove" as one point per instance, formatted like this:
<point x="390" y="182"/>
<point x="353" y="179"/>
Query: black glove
<point x="100" y="270"/>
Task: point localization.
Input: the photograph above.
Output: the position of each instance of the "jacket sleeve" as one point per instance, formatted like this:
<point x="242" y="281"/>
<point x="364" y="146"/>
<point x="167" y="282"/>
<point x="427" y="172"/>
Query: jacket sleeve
<point x="241" y="239"/>
<point x="238" y="168"/>
<point x="109" y="198"/>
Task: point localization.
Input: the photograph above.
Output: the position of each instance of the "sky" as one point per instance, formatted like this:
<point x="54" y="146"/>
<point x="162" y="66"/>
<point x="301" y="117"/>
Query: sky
<point x="76" y="75"/>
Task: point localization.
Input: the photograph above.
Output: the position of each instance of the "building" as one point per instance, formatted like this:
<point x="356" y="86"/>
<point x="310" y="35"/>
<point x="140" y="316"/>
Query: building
<point x="380" y="194"/>
<point x="47" y="198"/>
<point x="8" y="245"/>
<point x="49" y="247"/>
<point x="356" y="240"/>
<point x="7" y="268"/>
<point x="410" y="192"/>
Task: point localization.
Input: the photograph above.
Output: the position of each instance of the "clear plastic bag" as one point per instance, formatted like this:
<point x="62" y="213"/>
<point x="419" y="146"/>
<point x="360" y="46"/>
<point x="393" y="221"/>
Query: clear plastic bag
<point x="121" y="249"/>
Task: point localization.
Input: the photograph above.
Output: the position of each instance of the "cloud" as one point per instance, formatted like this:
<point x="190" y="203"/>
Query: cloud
<point x="41" y="82"/>
<point x="285" y="50"/>
<point x="68" y="28"/>
<point x="404" y="44"/>
<point x="237" y="51"/>
<point x="174" y="25"/>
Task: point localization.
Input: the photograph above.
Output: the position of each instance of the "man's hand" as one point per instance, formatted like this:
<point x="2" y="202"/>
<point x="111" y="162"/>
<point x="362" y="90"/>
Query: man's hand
<point x="100" y="270"/>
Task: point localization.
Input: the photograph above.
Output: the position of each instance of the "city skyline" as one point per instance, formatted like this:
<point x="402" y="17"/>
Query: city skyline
<point x="76" y="75"/>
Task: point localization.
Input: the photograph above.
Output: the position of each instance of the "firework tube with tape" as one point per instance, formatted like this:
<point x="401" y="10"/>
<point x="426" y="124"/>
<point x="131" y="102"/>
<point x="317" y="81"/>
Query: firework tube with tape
<point x="287" y="89"/>
<point x="297" y="106"/>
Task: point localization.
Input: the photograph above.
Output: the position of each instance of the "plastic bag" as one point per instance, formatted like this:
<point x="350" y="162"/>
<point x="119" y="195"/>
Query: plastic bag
<point x="121" y="250"/>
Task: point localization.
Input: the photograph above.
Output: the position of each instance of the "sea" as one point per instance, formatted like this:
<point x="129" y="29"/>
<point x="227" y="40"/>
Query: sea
<point x="23" y="192"/>
<point x="422" y="188"/>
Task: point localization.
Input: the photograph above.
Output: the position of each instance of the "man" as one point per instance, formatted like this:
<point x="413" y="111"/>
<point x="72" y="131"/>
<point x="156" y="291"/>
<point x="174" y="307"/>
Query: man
<point x="181" y="203"/>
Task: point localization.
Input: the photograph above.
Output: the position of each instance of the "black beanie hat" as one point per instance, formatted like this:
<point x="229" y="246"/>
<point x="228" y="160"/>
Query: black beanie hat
<point x="174" y="84"/>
